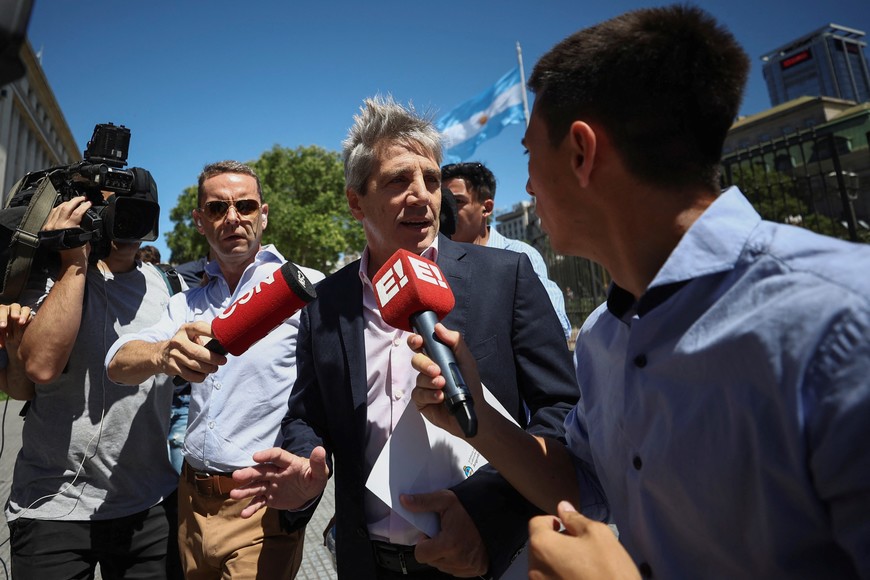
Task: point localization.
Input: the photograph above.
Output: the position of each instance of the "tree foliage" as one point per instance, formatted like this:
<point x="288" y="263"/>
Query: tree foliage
<point x="184" y="241"/>
<point x="309" y="221"/>
<point x="780" y="198"/>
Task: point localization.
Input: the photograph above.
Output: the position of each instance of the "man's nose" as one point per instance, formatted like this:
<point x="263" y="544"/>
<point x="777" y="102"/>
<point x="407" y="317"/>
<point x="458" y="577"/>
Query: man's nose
<point x="233" y="215"/>
<point x="419" y="192"/>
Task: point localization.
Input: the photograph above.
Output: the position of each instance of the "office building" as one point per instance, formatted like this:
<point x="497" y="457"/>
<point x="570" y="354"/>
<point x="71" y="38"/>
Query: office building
<point x="829" y="62"/>
<point x="34" y="134"/>
<point x="515" y="223"/>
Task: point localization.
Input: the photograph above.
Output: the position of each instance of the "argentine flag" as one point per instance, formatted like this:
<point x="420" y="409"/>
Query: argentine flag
<point x="482" y="118"/>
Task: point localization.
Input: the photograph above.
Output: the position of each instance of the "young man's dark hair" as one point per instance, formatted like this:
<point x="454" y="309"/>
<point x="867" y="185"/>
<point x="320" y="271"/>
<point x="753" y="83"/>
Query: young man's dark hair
<point x="667" y="109"/>
<point x="477" y="177"/>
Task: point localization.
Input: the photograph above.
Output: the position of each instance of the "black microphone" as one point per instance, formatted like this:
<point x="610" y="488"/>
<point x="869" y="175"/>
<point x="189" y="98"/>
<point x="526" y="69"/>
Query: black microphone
<point x="413" y="295"/>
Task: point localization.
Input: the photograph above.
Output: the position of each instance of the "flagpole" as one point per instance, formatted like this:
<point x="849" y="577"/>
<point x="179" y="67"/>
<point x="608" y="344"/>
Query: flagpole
<point x="523" y="83"/>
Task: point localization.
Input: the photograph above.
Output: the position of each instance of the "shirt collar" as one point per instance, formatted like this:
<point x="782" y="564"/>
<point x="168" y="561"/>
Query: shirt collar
<point x="267" y="253"/>
<point x="714" y="242"/>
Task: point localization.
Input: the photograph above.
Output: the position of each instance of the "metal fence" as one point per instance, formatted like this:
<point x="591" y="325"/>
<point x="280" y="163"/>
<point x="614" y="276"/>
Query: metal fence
<point x="583" y="282"/>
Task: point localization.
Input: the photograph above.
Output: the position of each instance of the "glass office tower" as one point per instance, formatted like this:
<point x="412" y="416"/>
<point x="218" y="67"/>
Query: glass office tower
<point x="829" y="62"/>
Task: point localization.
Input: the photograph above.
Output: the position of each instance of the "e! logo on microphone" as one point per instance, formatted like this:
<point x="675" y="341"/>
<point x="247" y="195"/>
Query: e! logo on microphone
<point x="395" y="279"/>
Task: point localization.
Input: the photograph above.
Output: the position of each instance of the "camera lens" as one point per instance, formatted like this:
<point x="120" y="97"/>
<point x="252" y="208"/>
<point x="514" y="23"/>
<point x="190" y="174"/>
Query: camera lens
<point x="133" y="219"/>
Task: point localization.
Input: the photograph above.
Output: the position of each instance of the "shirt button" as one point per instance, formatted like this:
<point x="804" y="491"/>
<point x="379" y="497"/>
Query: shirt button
<point x="211" y="424"/>
<point x="637" y="462"/>
<point x="640" y="361"/>
<point x="217" y="386"/>
<point x="645" y="570"/>
<point x="396" y="342"/>
<point x="398" y="394"/>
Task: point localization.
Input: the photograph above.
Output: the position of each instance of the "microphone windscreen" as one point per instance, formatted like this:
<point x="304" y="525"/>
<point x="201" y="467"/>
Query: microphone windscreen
<point x="407" y="284"/>
<point x="262" y="308"/>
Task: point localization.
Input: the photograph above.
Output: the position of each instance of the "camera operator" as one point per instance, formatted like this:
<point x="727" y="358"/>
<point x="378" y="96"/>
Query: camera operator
<point x="93" y="482"/>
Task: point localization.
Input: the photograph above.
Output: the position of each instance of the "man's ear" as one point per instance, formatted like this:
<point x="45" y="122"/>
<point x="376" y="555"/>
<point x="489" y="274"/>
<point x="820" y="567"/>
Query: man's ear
<point x="353" y="203"/>
<point x="197" y="220"/>
<point x="583" y="143"/>
<point x="264" y="215"/>
<point x="487" y="207"/>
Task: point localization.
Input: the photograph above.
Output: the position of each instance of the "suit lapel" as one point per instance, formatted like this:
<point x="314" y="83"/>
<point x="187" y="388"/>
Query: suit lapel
<point x="455" y="262"/>
<point x="351" y="324"/>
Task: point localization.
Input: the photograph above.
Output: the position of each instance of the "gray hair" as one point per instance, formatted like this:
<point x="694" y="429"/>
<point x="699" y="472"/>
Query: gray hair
<point x="382" y="120"/>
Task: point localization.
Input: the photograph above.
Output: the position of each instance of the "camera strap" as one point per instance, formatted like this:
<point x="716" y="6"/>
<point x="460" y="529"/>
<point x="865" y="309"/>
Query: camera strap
<point x="65" y="239"/>
<point x="25" y="240"/>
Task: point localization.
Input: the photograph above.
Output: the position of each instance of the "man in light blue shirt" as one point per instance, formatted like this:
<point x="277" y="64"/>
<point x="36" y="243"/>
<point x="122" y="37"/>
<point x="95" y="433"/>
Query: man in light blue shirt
<point x="725" y="385"/>
<point x="473" y="187"/>
<point x="237" y="402"/>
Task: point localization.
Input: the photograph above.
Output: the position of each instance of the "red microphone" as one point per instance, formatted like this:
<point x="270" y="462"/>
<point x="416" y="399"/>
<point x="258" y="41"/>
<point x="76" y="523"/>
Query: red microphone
<point x="259" y="311"/>
<point x="262" y="308"/>
<point x="413" y="295"/>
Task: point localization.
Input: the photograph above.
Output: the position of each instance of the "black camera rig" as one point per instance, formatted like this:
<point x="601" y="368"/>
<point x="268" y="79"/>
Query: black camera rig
<point x="123" y="208"/>
<point x="124" y="204"/>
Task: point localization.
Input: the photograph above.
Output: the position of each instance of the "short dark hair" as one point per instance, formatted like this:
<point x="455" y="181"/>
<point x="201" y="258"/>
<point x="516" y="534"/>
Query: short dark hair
<point x="221" y="167"/>
<point x="665" y="83"/>
<point x="148" y="254"/>
<point x="477" y="178"/>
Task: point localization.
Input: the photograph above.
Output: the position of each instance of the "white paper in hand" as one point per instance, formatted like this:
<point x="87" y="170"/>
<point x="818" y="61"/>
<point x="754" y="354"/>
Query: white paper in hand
<point x="420" y="458"/>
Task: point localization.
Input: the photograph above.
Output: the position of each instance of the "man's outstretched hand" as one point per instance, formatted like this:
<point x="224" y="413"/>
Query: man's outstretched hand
<point x="281" y="480"/>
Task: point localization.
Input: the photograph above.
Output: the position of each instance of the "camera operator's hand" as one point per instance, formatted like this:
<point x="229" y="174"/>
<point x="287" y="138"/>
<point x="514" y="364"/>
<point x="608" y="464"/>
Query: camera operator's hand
<point x="66" y="216"/>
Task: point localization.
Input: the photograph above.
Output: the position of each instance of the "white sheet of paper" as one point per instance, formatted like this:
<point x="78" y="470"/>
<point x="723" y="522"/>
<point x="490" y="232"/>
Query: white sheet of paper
<point x="420" y="457"/>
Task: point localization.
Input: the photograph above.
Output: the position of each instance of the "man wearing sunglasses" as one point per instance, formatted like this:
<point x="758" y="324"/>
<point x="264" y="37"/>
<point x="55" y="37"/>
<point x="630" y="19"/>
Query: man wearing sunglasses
<point x="237" y="402"/>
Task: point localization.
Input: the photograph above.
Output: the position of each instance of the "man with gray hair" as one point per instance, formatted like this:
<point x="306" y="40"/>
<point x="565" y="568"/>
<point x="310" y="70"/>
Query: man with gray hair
<point x="355" y="374"/>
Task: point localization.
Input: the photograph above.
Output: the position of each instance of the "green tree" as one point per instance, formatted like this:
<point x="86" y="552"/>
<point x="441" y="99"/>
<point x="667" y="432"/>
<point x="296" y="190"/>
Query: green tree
<point x="184" y="241"/>
<point x="779" y="198"/>
<point x="309" y="221"/>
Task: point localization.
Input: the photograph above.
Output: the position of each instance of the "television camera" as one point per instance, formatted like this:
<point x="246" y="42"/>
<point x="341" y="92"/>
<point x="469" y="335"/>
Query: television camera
<point x="124" y="205"/>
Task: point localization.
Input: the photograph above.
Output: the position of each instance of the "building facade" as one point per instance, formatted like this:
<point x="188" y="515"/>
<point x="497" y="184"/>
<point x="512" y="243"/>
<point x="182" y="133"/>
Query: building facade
<point x="805" y="162"/>
<point x="34" y="134"/>
<point x="829" y="62"/>
<point x="514" y="223"/>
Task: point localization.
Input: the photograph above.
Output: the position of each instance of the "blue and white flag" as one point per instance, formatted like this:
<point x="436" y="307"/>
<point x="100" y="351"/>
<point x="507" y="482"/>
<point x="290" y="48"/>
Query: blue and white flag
<point x="482" y="118"/>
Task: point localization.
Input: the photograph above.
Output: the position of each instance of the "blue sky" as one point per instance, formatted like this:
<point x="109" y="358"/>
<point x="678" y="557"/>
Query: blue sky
<point x="199" y="81"/>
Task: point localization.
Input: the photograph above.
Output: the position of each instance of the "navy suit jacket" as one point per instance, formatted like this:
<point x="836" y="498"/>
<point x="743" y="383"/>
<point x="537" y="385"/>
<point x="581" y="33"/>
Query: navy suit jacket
<point x="509" y="324"/>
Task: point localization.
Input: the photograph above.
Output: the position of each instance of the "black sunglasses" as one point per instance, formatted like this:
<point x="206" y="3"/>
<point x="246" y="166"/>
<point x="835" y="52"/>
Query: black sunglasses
<point x="215" y="210"/>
